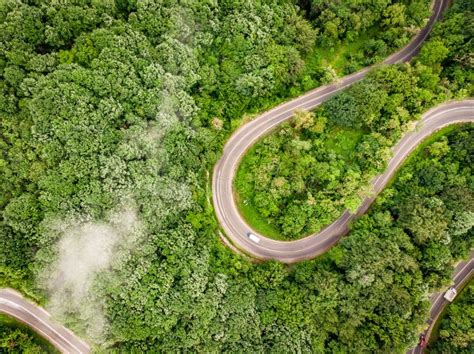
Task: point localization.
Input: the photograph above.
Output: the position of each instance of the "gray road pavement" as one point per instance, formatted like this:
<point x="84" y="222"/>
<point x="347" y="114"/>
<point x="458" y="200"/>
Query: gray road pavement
<point x="13" y="304"/>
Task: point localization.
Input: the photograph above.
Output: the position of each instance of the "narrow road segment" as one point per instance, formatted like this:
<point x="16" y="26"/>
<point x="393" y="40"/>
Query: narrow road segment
<point x="15" y="305"/>
<point x="463" y="272"/>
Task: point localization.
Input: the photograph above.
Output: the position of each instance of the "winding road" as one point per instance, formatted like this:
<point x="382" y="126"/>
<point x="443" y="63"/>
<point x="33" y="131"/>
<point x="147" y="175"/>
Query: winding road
<point x="15" y="305"/>
<point x="314" y="245"/>
<point x="232" y="223"/>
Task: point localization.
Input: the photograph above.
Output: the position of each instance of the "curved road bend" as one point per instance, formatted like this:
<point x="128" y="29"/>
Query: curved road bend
<point x="235" y="228"/>
<point x="462" y="273"/>
<point x="316" y="244"/>
<point x="13" y="304"/>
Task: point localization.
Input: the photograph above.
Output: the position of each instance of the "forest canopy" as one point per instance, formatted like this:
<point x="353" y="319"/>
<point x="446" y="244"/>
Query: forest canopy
<point x="112" y="114"/>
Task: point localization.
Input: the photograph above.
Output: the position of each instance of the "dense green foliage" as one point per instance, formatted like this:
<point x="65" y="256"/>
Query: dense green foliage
<point x="106" y="103"/>
<point x="345" y="20"/>
<point x="390" y="24"/>
<point x="303" y="176"/>
<point x="17" y="338"/>
<point x="456" y="332"/>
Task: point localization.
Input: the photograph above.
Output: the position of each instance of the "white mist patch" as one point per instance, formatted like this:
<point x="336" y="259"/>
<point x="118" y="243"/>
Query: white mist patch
<point x="85" y="251"/>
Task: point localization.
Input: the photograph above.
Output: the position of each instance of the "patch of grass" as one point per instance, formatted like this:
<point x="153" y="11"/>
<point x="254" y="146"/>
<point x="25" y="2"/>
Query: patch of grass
<point x="256" y="221"/>
<point x="343" y="141"/>
<point x="340" y="56"/>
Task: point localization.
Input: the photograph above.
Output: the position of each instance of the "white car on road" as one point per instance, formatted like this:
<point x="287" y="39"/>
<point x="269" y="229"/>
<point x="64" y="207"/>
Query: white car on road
<point x="450" y="294"/>
<point x="252" y="237"/>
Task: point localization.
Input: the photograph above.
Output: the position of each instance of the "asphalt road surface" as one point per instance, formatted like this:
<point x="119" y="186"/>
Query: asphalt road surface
<point x="233" y="225"/>
<point x="13" y="304"/>
<point x="462" y="274"/>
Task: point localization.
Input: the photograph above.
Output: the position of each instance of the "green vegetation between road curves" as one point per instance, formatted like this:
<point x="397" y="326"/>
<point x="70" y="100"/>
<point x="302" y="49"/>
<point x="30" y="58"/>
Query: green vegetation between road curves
<point x="453" y="331"/>
<point x="245" y="206"/>
<point x="15" y="337"/>
<point x="339" y="141"/>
